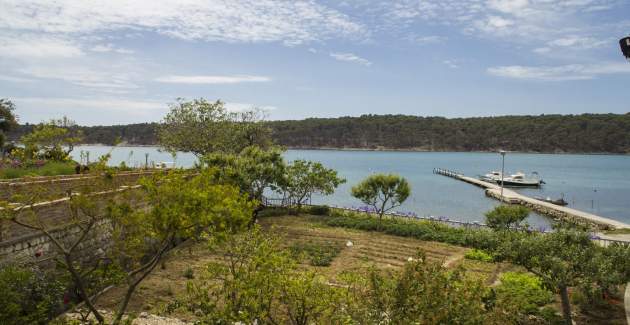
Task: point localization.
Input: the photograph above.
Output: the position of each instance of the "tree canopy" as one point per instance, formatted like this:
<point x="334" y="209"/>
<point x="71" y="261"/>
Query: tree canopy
<point x="585" y="133"/>
<point x="382" y="192"/>
<point x="8" y="120"/>
<point x="505" y="217"/>
<point x="305" y="178"/>
<point x="203" y="127"/>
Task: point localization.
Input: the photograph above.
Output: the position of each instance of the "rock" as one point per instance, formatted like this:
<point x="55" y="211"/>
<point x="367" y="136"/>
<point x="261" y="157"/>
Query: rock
<point x="349" y="244"/>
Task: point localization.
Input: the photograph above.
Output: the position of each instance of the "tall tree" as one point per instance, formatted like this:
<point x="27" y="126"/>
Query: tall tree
<point x="254" y="170"/>
<point x="8" y="121"/>
<point x="52" y="140"/>
<point x="563" y="259"/>
<point x="506" y="217"/>
<point x="305" y="178"/>
<point x="203" y="127"/>
<point x="138" y="235"/>
<point x="382" y="192"/>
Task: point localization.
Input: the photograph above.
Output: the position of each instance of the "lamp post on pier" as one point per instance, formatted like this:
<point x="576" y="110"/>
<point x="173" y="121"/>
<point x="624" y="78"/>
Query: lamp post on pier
<point x="502" y="152"/>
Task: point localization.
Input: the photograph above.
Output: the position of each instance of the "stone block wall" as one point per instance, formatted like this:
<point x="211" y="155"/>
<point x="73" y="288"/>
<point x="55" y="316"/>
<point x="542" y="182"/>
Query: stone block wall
<point x="59" y="186"/>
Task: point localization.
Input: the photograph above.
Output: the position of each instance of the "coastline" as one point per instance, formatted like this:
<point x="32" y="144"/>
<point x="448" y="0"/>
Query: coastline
<point x="385" y="149"/>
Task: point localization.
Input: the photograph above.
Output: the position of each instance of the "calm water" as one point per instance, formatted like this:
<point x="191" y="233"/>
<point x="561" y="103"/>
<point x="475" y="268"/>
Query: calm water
<point x="595" y="183"/>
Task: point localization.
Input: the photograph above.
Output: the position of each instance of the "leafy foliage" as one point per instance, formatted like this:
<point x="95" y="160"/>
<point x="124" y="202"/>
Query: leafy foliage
<point x="257" y="281"/>
<point x="29" y="296"/>
<point x="254" y="170"/>
<point x="382" y="192"/>
<point x="506" y="217"/>
<point x="47" y="140"/>
<point x="318" y="254"/>
<point x="478" y="255"/>
<point x="523" y="290"/>
<point x="586" y="133"/>
<point x="202" y="127"/>
<point x="423" y="230"/>
<point x="50" y="168"/>
<point x="562" y="259"/>
<point x="8" y="121"/>
<point x="305" y="178"/>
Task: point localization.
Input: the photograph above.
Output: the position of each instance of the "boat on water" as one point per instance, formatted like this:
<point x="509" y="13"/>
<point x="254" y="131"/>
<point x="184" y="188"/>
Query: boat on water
<point x="515" y="180"/>
<point x="548" y="199"/>
<point x="491" y="177"/>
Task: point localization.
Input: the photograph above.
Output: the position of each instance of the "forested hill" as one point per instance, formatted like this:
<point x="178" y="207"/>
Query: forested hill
<point x="587" y="133"/>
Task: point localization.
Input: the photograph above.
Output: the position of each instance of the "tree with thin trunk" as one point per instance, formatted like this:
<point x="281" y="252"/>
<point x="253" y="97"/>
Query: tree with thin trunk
<point x="254" y="170"/>
<point x="382" y="192"/>
<point x="305" y="178"/>
<point x="139" y="226"/>
<point x="566" y="258"/>
<point x="507" y="217"/>
<point x="204" y="127"/>
<point x="8" y="121"/>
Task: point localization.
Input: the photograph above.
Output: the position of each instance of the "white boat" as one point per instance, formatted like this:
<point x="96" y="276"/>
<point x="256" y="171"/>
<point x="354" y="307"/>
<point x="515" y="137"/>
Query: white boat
<point x="520" y="179"/>
<point x="492" y="177"/>
<point x="514" y="180"/>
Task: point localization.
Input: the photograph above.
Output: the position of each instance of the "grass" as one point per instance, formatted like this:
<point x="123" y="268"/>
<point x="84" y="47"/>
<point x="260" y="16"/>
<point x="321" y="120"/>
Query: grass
<point x="620" y="231"/>
<point x="367" y="250"/>
<point x="309" y="235"/>
<point x="49" y="169"/>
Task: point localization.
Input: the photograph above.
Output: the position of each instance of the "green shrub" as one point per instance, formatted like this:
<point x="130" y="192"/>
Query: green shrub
<point x="421" y="229"/>
<point x="318" y="254"/>
<point x="523" y="290"/>
<point x="189" y="273"/>
<point x="319" y="210"/>
<point x="478" y="255"/>
<point x="28" y="296"/>
<point x="273" y="212"/>
<point x="49" y="169"/>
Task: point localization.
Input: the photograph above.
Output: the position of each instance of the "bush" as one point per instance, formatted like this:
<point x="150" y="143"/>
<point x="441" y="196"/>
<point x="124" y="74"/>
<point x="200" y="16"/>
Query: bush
<point x="478" y="255"/>
<point x="28" y="296"/>
<point x="48" y="169"/>
<point x="523" y="290"/>
<point x="420" y="229"/>
<point x="189" y="273"/>
<point x="319" y="210"/>
<point x="318" y="254"/>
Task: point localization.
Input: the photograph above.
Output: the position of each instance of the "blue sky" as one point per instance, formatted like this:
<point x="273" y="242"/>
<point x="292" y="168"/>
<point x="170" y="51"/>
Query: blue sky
<point x="116" y="62"/>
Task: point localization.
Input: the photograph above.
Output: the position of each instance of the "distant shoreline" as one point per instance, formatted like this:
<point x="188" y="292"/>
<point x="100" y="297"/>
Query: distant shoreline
<point x="392" y="150"/>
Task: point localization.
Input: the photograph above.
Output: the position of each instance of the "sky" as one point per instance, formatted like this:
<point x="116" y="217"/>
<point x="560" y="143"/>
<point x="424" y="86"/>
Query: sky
<point x="118" y="62"/>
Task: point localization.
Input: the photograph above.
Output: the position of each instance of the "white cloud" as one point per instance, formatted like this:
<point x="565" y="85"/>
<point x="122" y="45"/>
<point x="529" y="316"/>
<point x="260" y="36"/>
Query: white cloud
<point x="37" y="46"/>
<point x="89" y="111"/>
<point x="105" y="48"/>
<point x="90" y="104"/>
<point x="451" y="64"/>
<point x="110" y="80"/>
<point x="519" y="21"/>
<point x="577" y="42"/>
<point x="350" y="57"/>
<point x="559" y="73"/>
<point x="240" y="107"/>
<point x="212" y="79"/>
<point x="430" y="39"/>
<point x="509" y="6"/>
<point x="291" y="22"/>
<point x="14" y="79"/>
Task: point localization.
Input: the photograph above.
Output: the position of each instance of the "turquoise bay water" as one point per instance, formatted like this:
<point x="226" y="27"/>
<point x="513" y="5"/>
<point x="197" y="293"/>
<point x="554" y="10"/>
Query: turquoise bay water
<point x="595" y="183"/>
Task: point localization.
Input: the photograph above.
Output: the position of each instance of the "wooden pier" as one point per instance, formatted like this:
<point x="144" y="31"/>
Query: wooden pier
<point x="556" y="211"/>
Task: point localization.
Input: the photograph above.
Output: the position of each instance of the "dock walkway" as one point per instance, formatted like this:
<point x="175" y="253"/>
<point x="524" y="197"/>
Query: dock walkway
<point x="513" y="197"/>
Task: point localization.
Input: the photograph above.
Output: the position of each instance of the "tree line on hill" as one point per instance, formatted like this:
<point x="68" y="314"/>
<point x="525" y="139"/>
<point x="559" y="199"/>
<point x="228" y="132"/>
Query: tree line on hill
<point x="585" y="133"/>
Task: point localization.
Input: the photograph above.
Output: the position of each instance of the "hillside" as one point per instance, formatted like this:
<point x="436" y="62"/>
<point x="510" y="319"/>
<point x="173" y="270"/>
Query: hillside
<point x="586" y="133"/>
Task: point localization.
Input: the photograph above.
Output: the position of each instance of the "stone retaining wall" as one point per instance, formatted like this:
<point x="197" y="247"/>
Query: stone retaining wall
<point x="59" y="186"/>
<point x="20" y="245"/>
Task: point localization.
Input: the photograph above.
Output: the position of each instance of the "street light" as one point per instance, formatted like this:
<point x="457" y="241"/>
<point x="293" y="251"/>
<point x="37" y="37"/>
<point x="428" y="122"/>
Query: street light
<point x="502" y="152"/>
